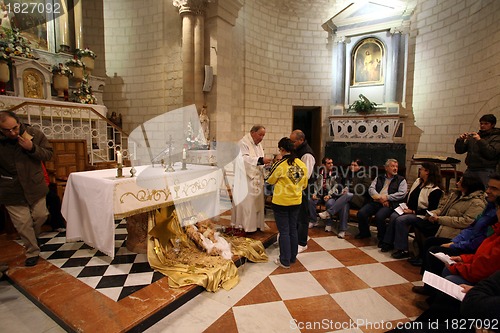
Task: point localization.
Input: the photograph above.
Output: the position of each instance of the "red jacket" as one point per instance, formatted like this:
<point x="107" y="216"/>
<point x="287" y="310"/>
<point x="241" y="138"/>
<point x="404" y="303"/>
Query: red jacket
<point x="484" y="262"/>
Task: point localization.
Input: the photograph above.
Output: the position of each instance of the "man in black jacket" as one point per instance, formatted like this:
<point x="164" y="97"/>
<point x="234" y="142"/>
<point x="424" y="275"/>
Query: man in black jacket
<point x="306" y="155"/>
<point x="387" y="192"/>
<point x="22" y="184"/>
<point x="482" y="148"/>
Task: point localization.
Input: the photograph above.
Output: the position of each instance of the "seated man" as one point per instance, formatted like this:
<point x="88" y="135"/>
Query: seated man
<point x="325" y="185"/>
<point x="387" y="192"/>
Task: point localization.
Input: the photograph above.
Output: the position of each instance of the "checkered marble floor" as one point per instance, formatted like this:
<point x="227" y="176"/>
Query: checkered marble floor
<point x="337" y="285"/>
<point x="116" y="278"/>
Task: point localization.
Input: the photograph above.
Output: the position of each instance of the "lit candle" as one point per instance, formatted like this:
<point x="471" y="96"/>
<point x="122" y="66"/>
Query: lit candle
<point x="184" y="156"/>
<point x="118" y="157"/>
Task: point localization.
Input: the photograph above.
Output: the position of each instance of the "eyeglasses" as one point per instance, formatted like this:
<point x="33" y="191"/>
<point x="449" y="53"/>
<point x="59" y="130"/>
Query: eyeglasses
<point x="8" y="130"/>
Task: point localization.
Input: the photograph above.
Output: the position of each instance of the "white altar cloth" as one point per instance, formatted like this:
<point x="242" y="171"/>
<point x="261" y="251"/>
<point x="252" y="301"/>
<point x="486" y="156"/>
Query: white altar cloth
<point x="94" y="199"/>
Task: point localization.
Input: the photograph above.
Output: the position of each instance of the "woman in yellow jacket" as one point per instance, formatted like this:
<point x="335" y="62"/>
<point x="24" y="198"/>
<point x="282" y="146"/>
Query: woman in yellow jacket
<point x="289" y="177"/>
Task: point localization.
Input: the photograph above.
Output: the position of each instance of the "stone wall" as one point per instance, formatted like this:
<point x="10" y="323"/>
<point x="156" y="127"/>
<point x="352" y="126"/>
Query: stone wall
<point x="143" y="59"/>
<point x="456" y="67"/>
<point x="287" y="62"/>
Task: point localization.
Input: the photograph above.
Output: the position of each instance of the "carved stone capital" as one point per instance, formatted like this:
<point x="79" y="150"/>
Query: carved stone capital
<point x="340" y="39"/>
<point x="404" y="28"/>
<point x="196" y="7"/>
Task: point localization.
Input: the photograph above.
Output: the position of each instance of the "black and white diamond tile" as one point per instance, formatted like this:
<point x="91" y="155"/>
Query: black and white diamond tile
<point x="116" y="278"/>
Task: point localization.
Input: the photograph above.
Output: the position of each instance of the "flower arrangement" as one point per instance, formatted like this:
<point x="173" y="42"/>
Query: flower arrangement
<point x="84" y="94"/>
<point x="61" y="69"/>
<point x="363" y="105"/>
<point x="75" y="62"/>
<point x="85" y="53"/>
<point x="13" y="44"/>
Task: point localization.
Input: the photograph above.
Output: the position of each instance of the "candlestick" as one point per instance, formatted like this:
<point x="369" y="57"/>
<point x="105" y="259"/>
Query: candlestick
<point x="119" y="171"/>
<point x="184" y="155"/>
<point x="119" y="157"/>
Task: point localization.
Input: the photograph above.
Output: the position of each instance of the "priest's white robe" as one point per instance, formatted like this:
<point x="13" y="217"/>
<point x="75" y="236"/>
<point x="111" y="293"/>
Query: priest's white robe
<point x="249" y="209"/>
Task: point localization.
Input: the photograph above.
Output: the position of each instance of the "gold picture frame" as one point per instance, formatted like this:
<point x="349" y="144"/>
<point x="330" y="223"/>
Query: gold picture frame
<point x="368" y="59"/>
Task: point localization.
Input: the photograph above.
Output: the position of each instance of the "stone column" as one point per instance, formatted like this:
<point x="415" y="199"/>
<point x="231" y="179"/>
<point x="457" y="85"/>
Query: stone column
<point x="64" y="29"/>
<point x="77" y="12"/>
<point x="199" y="60"/>
<point x="188" y="57"/>
<point x="192" y="12"/>
<point x="392" y="74"/>
<point x="339" y="68"/>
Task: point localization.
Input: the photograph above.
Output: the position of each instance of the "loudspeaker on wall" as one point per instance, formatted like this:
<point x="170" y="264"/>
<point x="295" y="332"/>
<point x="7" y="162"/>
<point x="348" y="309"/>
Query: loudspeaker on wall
<point x="209" y="79"/>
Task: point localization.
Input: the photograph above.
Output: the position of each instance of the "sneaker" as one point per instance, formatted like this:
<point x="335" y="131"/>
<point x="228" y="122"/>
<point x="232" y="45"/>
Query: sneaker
<point x="313" y="224"/>
<point x="324" y="215"/>
<point x="302" y="248"/>
<point x="328" y="228"/>
<point x="278" y="262"/>
<point x="341" y="234"/>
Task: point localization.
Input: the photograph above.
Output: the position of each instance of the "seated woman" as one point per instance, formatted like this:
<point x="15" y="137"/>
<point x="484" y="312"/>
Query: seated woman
<point x="424" y="195"/>
<point x="354" y="194"/>
<point x="455" y="213"/>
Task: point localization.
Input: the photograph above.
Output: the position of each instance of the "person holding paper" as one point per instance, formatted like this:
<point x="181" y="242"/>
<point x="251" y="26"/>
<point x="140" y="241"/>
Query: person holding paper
<point x="22" y="184"/>
<point x="467" y="241"/>
<point x="455" y="213"/>
<point x="424" y="195"/>
<point x="472" y="268"/>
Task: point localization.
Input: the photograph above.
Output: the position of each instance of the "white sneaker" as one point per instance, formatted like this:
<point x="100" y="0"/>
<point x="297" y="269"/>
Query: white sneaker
<point x="324" y="215"/>
<point x="341" y="234"/>
<point x="278" y="262"/>
<point x="328" y="228"/>
<point x="302" y="248"/>
<point x="313" y="224"/>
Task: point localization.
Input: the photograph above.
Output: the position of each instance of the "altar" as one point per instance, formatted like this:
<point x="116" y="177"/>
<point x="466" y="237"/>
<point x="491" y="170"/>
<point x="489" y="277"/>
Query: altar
<point x="93" y="200"/>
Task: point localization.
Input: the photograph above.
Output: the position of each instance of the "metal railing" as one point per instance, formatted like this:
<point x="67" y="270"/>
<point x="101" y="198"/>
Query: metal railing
<point x="103" y="137"/>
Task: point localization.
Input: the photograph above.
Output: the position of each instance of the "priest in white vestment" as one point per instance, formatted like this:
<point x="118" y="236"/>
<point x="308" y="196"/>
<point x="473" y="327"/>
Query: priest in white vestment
<point x="249" y="210"/>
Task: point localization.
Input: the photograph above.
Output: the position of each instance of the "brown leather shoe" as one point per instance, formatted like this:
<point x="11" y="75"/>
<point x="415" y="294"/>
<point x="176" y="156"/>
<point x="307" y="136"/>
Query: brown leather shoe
<point x="31" y="261"/>
<point x="421" y="290"/>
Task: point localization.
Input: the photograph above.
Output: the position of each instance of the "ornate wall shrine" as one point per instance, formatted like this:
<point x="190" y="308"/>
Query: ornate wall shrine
<point x="370" y="53"/>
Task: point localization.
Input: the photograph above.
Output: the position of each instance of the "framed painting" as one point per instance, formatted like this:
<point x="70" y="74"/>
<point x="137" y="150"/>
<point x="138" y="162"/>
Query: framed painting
<point x="368" y="62"/>
<point x="33" y="19"/>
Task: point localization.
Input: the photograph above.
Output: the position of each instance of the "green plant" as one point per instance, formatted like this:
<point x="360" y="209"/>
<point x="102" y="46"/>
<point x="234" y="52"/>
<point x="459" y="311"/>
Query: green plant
<point x="363" y="105"/>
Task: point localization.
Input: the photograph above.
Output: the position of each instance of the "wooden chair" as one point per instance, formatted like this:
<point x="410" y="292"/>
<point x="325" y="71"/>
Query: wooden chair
<point x="69" y="156"/>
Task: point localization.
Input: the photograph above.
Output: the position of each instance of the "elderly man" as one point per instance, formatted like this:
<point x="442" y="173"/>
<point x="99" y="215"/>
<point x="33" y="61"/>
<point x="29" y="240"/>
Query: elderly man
<point x="482" y="148"/>
<point x="387" y="192"/>
<point x="306" y="155"/>
<point x="249" y="213"/>
<point x="22" y="184"/>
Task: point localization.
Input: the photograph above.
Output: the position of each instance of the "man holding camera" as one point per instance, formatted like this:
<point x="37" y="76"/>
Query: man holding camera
<point x="482" y="148"/>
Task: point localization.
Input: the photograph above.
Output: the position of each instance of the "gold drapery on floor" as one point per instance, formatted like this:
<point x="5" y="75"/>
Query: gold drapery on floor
<point x="172" y="253"/>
